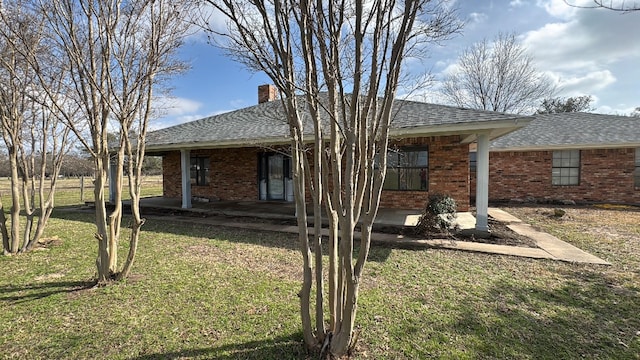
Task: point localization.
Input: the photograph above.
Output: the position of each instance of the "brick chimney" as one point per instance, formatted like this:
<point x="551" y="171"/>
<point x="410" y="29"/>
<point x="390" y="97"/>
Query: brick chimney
<point x="267" y="93"/>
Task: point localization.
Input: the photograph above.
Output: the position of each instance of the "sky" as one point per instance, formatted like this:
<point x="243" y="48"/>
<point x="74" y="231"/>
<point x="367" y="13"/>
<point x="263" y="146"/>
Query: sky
<point x="584" y="51"/>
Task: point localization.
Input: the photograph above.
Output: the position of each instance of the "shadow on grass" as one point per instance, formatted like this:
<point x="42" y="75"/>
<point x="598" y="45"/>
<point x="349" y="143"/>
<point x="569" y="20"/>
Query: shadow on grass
<point x="199" y="228"/>
<point x="586" y="316"/>
<point x="24" y="293"/>
<point x="284" y="347"/>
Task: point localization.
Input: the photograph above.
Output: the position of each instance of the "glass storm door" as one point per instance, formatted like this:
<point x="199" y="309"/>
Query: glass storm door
<point x="275" y="177"/>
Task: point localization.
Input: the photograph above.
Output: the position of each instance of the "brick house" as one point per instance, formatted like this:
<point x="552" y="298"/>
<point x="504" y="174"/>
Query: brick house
<point x="230" y="156"/>
<point x="579" y="157"/>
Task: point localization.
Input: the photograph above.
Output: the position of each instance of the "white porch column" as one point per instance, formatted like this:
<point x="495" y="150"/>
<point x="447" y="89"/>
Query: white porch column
<point x="185" y="164"/>
<point x="112" y="181"/>
<point x="482" y="183"/>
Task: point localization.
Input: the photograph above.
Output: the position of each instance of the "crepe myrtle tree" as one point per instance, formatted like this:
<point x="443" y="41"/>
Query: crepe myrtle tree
<point x="35" y="139"/>
<point x="117" y="55"/>
<point x="337" y="66"/>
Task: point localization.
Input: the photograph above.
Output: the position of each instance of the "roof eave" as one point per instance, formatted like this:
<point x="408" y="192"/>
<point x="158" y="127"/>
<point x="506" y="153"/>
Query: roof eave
<point x="495" y="129"/>
<point x="567" y="147"/>
<point x="220" y="144"/>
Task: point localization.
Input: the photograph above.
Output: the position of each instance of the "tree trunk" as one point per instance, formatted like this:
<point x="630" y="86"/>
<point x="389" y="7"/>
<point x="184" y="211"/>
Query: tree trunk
<point x="303" y="237"/>
<point x="3" y="230"/>
<point x="115" y="218"/>
<point x="102" y="233"/>
<point x="14" y="240"/>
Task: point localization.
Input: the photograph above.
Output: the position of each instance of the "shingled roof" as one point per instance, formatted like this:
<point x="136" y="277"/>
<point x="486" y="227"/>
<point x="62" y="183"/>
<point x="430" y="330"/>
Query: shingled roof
<point x="265" y="124"/>
<point x="572" y="130"/>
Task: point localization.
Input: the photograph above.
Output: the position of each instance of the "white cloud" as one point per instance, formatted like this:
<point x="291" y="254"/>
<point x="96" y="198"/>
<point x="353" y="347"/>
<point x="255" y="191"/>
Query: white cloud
<point x="559" y="8"/>
<point x="517" y="3"/>
<point x="476" y="18"/>
<point x="585" y="83"/>
<point x="176" y="106"/>
<point x="588" y="51"/>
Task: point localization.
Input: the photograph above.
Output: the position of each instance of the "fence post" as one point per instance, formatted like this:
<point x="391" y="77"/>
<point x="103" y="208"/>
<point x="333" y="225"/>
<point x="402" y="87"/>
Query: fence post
<point x="81" y="188"/>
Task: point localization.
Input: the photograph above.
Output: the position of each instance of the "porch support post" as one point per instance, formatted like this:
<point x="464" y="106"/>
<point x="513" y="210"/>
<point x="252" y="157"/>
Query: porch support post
<point x="112" y="181"/>
<point x="482" y="183"/>
<point x="185" y="163"/>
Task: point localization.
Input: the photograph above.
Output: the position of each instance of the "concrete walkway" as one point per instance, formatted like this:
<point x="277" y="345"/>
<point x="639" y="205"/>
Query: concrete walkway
<point x="549" y="247"/>
<point x="556" y="248"/>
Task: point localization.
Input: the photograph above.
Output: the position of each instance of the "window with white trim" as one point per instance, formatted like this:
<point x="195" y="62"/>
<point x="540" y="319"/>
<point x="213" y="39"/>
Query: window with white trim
<point x="566" y="167"/>
<point x="636" y="173"/>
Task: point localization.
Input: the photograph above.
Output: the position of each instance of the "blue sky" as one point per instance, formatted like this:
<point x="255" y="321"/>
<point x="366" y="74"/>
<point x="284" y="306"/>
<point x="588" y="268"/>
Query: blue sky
<point x="584" y="51"/>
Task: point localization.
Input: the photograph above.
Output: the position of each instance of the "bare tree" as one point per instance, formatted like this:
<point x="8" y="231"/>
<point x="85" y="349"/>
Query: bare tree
<point x="615" y="5"/>
<point x="570" y="104"/>
<point x="337" y="66"/>
<point x="117" y="54"/>
<point x="36" y="141"/>
<point x="497" y="76"/>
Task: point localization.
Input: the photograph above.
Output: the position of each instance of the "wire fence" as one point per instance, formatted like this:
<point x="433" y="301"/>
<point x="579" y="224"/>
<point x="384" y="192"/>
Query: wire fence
<point x="75" y="191"/>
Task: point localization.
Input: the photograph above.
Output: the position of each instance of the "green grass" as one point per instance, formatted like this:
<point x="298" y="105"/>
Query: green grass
<point x="68" y="190"/>
<point x="210" y="292"/>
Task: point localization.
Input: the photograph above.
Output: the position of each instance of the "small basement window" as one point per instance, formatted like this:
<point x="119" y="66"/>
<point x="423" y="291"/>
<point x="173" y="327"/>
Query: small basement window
<point x="566" y="167"/>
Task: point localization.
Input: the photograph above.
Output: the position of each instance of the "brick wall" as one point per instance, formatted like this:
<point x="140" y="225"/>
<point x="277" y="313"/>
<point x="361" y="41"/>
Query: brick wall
<point x="448" y="173"/>
<point x="606" y="175"/>
<point x="233" y="174"/>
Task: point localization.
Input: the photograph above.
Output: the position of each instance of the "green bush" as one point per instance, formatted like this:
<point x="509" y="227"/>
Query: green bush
<point x="438" y="215"/>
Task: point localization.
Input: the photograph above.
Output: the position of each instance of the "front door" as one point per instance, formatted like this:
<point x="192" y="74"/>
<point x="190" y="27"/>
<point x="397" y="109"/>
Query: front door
<point x="274" y="177"/>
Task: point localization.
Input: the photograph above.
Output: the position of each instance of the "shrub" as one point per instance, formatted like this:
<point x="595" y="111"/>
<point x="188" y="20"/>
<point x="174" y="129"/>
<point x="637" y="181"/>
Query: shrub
<point x="438" y="215"/>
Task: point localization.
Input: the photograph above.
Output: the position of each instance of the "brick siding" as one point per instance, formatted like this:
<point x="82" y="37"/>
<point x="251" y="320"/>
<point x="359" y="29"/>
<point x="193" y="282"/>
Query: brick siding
<point x="448" y="173"/>
<point x="606" y="175"/>
<point x="233" y="174"/>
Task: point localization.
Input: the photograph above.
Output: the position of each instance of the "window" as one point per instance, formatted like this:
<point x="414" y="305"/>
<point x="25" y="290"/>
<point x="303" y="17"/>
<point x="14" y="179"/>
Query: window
<point x="407" y="169"/>
<point x="473" y="161"/>
<point x="199" y="171"/>
<point x="636" y="176"/>
<point x="566" y="167"/>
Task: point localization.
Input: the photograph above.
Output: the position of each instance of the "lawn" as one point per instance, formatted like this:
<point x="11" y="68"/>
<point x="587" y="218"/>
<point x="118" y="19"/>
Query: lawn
<point x="72" y="191"/>
<point x="213" y="292"/>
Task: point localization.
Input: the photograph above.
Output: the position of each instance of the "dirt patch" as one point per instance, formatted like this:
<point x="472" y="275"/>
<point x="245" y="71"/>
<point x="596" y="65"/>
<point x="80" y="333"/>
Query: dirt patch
<point x="47" y="243"/>
<point x="500" y="234"/>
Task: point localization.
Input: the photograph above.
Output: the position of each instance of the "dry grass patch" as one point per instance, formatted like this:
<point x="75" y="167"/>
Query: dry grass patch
<point x="261" y="260"/>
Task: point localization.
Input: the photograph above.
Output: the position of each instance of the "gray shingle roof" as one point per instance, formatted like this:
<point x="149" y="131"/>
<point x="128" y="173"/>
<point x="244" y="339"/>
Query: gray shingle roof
<point x="266" y="122"/>
<point x="577" y="130"/>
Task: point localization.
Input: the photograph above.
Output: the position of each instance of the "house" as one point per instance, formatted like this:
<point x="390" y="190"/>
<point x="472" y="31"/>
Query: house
<point x="568" y="157"/>
<point x="231" y="156"/>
